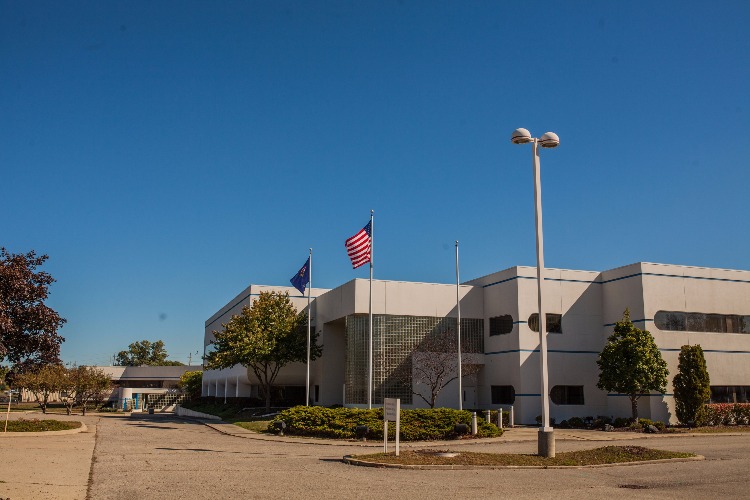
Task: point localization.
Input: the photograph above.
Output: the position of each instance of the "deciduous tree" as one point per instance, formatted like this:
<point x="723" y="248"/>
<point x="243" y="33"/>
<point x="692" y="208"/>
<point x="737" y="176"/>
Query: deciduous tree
<point x="28" y="327"/>
<point x="631" y="363"/>
<point x="191" y="383"/>
<point x="42" y="383"/>
<point x="90" y="385"/>
<point x="145" y="353"/>
<point x="3" y="373"/>
<point x="264" y="338"/>
<point x="434" y="365"/>
<point x="692" y="385"/>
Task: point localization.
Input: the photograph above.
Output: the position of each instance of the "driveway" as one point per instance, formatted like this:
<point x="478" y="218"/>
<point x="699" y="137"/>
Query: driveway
<point x="161" y="456"/>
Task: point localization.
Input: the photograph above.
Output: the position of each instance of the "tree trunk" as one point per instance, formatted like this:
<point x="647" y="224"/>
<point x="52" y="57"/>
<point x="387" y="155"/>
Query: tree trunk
<point x="84" y="409"/>
<point x="634" y="407"/>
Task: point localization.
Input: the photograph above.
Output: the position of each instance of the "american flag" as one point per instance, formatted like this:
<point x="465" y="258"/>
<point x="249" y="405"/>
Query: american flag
<point x="359" y="246"/>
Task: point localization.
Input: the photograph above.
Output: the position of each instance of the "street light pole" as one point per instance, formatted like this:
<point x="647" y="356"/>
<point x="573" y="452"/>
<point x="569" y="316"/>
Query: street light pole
<point x="546" y="444"/>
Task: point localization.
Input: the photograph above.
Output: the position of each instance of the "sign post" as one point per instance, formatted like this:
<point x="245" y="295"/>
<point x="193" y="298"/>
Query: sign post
<point x="391" y="411"/>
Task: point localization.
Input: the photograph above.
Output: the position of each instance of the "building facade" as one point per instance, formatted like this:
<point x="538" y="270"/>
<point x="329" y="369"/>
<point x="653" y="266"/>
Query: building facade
<point x="499" y="333"/>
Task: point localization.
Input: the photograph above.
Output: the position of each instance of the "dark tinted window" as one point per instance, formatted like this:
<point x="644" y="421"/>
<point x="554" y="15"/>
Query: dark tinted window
<point x="567" y="395"/>
<point x="673" y="321"/>
<point x="715" y="323"/>
<point x="730" y="393"/>
<point x="733" y="323"/>
<point x="696" y="322"/>
<point x="700" y="322"/>
<point x="503" y="395"/>
<point x="554" y="322"/>
<point x="501" y="325"/>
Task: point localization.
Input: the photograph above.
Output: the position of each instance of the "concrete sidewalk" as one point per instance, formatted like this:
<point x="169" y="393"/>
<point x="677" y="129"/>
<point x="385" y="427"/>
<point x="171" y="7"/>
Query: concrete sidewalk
<point x="47" y="465"/>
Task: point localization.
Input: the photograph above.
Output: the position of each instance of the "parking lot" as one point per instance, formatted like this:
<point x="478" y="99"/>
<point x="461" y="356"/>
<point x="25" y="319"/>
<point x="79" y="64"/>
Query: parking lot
<point x="130" y="456"/>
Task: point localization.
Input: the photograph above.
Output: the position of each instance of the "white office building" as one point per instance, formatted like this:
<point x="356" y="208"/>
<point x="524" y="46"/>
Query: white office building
<point x="499" y="332"/>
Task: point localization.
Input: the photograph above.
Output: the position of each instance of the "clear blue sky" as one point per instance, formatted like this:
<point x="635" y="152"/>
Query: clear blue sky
<point x="167" y="154"/>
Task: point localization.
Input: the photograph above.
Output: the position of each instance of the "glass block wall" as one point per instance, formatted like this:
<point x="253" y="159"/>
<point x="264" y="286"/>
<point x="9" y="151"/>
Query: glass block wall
<point x="394" y="340"/>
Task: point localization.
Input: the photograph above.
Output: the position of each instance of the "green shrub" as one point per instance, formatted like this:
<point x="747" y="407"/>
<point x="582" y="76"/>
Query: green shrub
<point x="576" y="423"/>
<point x="645" y="422"/>
<point x="601" y="421"/>
<point x="416" y="425"/>
<point x="621" y="422"/>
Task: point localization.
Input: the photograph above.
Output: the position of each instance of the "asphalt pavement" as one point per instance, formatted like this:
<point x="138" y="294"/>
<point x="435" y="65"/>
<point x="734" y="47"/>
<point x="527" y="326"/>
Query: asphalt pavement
<point x="162" y="456"/>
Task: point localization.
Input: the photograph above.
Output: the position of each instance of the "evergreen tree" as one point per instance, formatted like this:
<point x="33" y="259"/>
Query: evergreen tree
<point x="692" y="386"/>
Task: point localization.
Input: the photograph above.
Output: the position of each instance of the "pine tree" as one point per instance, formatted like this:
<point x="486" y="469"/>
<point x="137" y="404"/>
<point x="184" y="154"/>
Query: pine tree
<point x="692" y="385"/>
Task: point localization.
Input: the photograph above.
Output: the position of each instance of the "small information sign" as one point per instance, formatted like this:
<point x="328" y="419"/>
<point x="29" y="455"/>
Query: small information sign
<point x="391" y="411"/>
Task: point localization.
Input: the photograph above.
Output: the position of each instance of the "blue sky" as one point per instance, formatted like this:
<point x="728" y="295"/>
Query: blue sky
<point x="167" y="154"/>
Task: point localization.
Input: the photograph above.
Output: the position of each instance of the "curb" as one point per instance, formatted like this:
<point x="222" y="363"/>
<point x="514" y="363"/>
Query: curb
<point x="246" y="434"/>
<point x="77" y="430"/>
<point x="240" y="432"/>
<point x="349" y="460"/>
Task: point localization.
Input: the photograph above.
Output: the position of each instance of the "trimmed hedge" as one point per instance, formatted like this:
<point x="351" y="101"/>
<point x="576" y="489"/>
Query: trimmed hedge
<point x="416" y="425"/>
<point x="726" y="414"/>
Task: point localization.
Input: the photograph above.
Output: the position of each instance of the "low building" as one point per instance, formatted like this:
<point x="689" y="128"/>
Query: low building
<point x="137" y="387"/>
<point x="499" y="332"/>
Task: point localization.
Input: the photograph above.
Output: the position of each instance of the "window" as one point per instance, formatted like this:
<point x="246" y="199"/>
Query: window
<point x="733" y="323"/>
<point x="501" y="325"/>
<point x="554" y="322"/>
<point x="730" y="394"/>
<point x="676" y="321"/>
<point x="696" y="322"/>
<point x="503" y="394"/>
<point x="567" y="395"/>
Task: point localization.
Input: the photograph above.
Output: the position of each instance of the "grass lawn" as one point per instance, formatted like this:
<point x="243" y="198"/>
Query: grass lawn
<point x="720" y="429"/>
<point x="35" y="425"/>
<point x="598" y="456"/>
<point x="254" y="425"/>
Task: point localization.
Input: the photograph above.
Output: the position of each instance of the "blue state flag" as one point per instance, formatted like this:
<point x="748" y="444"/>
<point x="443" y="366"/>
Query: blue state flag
<point x="302" y="277"/>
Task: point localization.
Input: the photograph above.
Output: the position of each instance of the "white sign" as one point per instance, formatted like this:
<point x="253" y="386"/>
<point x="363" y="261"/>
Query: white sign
<point x="391" y="411"/>
<point x="391" y="407"/>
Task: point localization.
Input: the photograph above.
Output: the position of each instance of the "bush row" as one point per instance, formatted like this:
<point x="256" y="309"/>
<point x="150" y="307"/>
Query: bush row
<point x="341" y="423"/>
<point x="726" y="414"/>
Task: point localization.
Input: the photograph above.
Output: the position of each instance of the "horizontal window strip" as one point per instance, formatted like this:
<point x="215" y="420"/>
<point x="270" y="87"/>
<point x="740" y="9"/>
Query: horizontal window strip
<point x="566" y="351"/>
<point x="633" y="320"/>
<point x="534" y="278"/>
<point x="659" y="275"/>
<point x="715" y="351"/>
<point x="657" y="395"/>
<point x="728" y="280"/>
<point x="528" y="395"/>
<point x="556" y="351"/>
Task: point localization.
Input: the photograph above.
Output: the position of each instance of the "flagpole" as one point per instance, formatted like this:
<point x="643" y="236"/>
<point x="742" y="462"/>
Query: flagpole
<point x="369" y="367"/>
<point x="309" y="314"/>
<point x="458" y="323"/>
